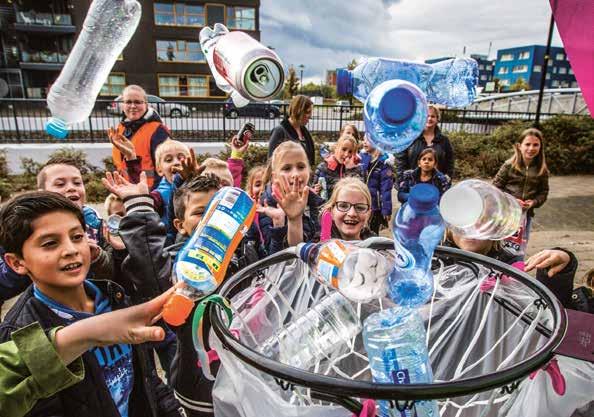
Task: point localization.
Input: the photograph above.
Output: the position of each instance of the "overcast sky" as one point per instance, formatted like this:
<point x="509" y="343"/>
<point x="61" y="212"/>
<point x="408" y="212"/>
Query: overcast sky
<point x="327" y="34"/>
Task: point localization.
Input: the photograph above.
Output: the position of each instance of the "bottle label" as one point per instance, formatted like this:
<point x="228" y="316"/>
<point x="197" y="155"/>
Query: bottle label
<point x="330" y="260"/>
<point x="404" y="258"/>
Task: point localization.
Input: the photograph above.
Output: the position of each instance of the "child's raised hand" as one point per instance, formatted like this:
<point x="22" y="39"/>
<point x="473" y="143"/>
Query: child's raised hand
<point x="95" y="250"/>
<point x="292" y="198"/>
<point x="189" y="167"/>
<point x="124" y="145"/>
<point x="276" y="214"/>
<point x="115" y="242"/>
<point x="123" y="188"/>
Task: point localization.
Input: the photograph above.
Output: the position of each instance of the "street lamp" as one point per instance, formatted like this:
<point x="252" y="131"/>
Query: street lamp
<point x="301" y="66"/>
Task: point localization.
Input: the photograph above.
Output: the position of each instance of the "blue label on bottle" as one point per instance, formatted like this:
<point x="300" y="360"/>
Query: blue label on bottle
<point x="400" y="376"/>
<point x="404" y="259"/>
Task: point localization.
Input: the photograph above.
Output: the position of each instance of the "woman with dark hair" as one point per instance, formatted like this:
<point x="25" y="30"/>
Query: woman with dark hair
<point x="430" y="138"/>
<point x="293" y="128"/>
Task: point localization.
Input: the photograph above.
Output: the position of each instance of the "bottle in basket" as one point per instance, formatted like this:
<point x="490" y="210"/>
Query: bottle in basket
<point x="241" y="65"/>
<point x="358" y="273"/>
<point x="202" y="262"/>
<point x="245" y="134"/>
<point x="395" y="343"/>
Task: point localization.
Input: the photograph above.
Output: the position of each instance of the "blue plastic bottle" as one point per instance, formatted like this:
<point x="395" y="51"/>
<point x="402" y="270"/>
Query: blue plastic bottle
<point x="203" y="260"/>
<point x="395" y="343"/>
<point x="418" y="228"/>
<point x="451" y="82"/>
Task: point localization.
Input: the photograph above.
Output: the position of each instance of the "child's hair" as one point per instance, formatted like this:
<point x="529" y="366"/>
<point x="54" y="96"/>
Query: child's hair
<point x="277" y="156"/>
<point x="435" y="109"/>
<point x="347" y="183"/>
<point x="251" y="177"/>
<point x="518" y="162"/>
<point x="496" y="245"/>
<point x="57" y="160"/>
<point x="109" y="200"/>
<point x="199" y="184"/>
<point x="425" y="152"/>
<point x="166" y="146"/>
<point x="18" y="214"/>
<point x="347" y="138"/>
<point x="214" y="163"/>
<point x="357" y="134"/>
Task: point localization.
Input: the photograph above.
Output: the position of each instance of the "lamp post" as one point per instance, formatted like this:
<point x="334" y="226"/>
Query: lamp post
<point x="301" y="66"/>
<point x="545" y="65"/>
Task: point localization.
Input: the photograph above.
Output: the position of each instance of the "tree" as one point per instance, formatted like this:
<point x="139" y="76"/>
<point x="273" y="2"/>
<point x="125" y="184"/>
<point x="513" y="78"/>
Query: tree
<point x="520" y="85"/>
<point x="291" y="83"/>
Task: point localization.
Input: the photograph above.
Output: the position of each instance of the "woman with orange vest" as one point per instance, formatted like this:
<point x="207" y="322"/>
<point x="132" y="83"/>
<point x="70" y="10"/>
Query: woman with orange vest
<point x="143" y="127"/>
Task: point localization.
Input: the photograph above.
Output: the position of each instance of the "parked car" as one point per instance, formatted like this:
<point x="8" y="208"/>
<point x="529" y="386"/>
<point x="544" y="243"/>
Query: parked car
<point x="267" y="110"/>
<point x="164" y="108"/>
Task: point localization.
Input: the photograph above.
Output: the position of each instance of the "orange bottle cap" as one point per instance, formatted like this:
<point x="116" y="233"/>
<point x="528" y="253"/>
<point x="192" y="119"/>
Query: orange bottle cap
<point x="177" y="309"/>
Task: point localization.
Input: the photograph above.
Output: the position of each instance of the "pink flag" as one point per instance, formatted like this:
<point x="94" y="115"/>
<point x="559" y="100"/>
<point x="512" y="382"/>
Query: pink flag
<point x="575" y="21"/>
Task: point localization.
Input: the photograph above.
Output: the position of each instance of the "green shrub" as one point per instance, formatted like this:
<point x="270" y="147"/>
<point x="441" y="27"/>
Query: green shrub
<point x="3" y="164"/>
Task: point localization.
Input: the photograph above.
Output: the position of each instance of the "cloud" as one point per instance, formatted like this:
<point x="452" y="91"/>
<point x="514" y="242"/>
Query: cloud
<point x="323" y="35"/>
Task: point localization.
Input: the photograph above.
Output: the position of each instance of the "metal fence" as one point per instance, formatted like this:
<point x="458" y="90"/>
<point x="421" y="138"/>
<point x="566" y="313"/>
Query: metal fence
<point x="23" y="120"/>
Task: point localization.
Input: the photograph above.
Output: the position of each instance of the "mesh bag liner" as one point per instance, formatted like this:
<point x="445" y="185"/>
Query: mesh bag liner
<point x="471" y="333"/>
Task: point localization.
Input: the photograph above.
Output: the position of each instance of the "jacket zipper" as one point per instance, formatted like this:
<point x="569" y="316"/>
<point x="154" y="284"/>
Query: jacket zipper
<point x="525" y="182"/>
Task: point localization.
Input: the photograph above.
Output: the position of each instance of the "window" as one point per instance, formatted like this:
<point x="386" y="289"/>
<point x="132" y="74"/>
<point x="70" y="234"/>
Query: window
<point x="116" y="81"/>
<point x="550" y="64"/>
<point x="524" y="55"/>
<point x="520" y="68"/>
<point x="504" y="83"/>
<point x="483" y="77"/>
<point x="560" y="56"/>
<point x="183" y="86"/>
<point x="574" y="84"/>
<point x="489" y="67"/>
<point x="179" y="14"/>
<point x="503" y="70"/>
<point x="241" y="18"/>
<point x="215" y="14"/>
<point x="481" y="67"/>
<point x="554" y="70"/>
<point x="570" y="72"/>
<point x="548" y="76"/>
<point x="179" y="51"/>
<point x="507" y="57"/>
<point x="562" y="70"/>
<point x="555" y="83"/>
<point x="564" y="84"/>
<point x="537" y="68"/>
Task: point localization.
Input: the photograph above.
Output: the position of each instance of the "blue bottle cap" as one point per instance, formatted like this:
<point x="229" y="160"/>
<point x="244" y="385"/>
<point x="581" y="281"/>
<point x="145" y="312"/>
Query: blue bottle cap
<point x="344" y="82"/>
<point x="398" y="105"/>
<point x="57" y="128"/>
<point x="423" y="197"/>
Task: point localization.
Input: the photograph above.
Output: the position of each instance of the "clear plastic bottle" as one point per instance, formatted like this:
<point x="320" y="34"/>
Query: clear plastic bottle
<point x="241" y="65"/>
<point x="107" y="29"/>
<point x="418" y="228"/>
<point x="357" y="273"/>
<point x="323" y="331"/>
<point x="395" y="114"/>
<point x="202" y="262"/>
<point x="395" y="343"/>
<point x="476" y="209"/>
<point x="451" y="82"/>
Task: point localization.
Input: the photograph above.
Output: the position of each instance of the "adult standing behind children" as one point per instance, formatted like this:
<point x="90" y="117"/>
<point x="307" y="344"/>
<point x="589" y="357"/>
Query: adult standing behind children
<point x="293" y="128"/>
<point x="525" y="175"/>
<point x="430" y="138"/>
<point x="143" y="127"/>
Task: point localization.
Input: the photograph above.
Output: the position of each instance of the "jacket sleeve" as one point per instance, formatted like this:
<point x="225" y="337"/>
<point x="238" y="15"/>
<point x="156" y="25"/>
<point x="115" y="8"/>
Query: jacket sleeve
<point x="102" y="267"/>
<point x="146" y="266"/>
<point x="277" y="137"/>
<point x="403" y="189"/>
<point x="450" y="157"/>
<point x="543" y="191"/>
<point x="502" y="177"/>
<point x="11" y="283"/>
<point x="401" y="164"/>
<point x="274" y="237"/>
<point x="235" y="165"/>
<point x="30" y="370"/>
<point x="386" y="184"/>
<point x="561" y="284"/>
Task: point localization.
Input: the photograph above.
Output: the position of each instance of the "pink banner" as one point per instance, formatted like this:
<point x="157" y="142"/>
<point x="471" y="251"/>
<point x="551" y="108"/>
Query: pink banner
<point x="575" y="21"/>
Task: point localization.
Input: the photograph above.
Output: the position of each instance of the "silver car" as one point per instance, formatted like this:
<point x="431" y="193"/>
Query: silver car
<point x="162" y="107"/>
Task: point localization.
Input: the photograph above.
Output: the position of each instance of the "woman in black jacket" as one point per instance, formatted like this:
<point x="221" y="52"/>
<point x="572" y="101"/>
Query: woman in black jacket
<point x="431" y="137"/>
<point x="293" y="128"/>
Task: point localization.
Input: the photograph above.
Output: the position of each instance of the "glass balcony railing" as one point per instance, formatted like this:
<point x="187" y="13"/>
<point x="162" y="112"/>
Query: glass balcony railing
<point x="46" y="57"/>
<point x="45" y="19"/>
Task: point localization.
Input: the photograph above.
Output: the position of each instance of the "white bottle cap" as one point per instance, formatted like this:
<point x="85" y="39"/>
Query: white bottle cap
<point x="461" y="206"/>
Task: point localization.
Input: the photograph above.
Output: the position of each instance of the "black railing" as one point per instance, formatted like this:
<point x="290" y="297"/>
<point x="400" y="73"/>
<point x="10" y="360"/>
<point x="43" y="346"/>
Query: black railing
<point x="23" y="120"/>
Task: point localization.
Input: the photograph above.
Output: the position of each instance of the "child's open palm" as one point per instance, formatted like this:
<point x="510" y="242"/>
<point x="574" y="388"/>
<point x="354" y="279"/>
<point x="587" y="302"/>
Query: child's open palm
<point x="123" y="188"/>
<point x="292" y="198"/>
<point x="124" y="145"/>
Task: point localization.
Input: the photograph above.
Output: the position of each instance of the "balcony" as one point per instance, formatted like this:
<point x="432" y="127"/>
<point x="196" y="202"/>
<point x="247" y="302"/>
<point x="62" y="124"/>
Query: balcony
<point x="44" y="22"/>
<point x="42" y="60"/>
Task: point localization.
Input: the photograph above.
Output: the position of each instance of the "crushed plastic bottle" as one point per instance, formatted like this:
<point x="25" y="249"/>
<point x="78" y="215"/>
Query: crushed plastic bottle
<point x="107" y="29"/>
<point x="241" y="66"/>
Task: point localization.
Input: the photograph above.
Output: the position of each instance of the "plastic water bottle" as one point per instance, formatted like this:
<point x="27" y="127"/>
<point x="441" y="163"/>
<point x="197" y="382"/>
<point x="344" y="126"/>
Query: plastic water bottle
<point x="475" y="209"/>
<point x="418" y="229"/>
<point x="324" y="189"/>
<point x="325" y="330"/>
<point x="108" y="27"/>
<point x="324" y="151"/>
<point x="241" y="65"/>
<point x="451" y="82"/>
<point x="395" y="343"/>
<point x="395" y="114"/>
<point x="202" y="262"/>
<point x="357" y="273"/>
